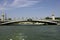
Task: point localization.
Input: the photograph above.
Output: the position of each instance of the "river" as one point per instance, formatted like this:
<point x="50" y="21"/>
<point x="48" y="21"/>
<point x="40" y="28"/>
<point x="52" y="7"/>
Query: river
<point x="26" y="32"/>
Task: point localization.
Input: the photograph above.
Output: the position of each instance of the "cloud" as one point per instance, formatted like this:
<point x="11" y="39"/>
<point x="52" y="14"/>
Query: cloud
<point x="6" y="4"/>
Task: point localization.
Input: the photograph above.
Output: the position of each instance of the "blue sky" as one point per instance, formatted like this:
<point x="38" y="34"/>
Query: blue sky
<point x="30" y="8"/>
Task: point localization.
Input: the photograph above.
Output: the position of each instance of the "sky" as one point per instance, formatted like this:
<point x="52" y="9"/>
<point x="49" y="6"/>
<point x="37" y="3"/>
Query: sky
<point x="30" y="8"/>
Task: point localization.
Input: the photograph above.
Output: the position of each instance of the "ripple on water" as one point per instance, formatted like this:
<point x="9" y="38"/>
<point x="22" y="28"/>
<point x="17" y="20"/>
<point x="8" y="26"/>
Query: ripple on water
<point x="48" y="32"/>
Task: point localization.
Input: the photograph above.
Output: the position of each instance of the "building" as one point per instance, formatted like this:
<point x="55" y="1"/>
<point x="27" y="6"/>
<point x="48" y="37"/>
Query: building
<point x="52" y="17"/>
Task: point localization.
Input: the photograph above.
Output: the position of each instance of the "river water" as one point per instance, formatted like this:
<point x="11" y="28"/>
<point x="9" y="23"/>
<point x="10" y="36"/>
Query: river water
<point x="26" y="32"/>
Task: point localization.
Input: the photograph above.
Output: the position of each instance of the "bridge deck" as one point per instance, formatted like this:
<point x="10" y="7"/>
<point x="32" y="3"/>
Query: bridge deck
<point x="39" y="21"/>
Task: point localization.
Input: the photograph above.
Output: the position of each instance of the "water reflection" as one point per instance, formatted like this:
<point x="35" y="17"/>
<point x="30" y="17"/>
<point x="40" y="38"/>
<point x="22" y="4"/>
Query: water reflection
<point x="19" y="36"/>
<point x="11" y="39"/>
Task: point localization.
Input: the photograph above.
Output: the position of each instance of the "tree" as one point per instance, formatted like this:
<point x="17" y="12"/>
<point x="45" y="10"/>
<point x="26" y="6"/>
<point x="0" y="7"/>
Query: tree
<point x="29" y="19"/>
<point x="9" y="19"/>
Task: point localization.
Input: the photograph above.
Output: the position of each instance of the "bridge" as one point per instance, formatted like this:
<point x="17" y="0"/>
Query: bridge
<point x="46" y="22"/>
